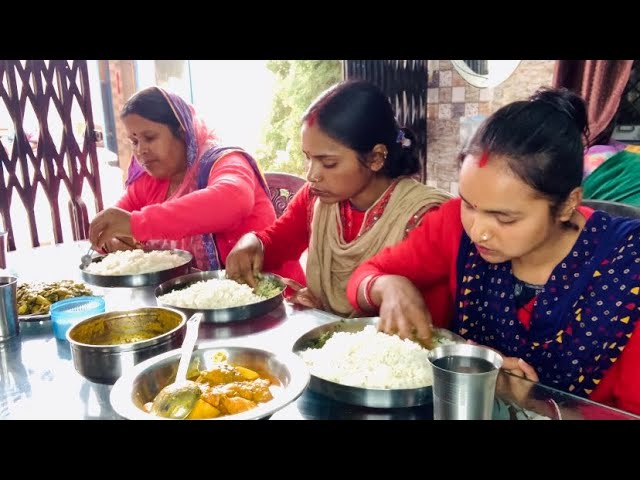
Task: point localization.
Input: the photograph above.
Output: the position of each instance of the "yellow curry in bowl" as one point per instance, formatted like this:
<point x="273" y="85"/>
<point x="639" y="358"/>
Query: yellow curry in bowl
<point x="227" y="389"/>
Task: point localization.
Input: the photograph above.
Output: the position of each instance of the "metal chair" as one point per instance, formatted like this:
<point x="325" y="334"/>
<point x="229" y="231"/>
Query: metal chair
<point x="282" y="187"/>
<point x="613" y="208"/>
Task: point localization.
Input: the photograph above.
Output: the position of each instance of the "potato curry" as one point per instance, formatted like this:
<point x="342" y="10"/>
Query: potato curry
<point x="228" y="389"/>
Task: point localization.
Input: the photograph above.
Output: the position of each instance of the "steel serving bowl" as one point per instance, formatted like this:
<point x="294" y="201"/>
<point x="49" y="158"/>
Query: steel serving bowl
<point x="367" y="397"/>
<point x="220" y="315"/>
<point x="145" y="380"/>
<point x="105" y="346"/>
<point x="140" y="279"/>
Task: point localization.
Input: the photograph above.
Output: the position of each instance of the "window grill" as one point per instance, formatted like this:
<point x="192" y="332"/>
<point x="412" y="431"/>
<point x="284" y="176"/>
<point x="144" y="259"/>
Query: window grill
<point x="405" y="83"/>
<point x="45" y="156"/>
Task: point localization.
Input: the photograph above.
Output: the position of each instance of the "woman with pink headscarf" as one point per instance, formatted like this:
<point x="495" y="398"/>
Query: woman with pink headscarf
<point x="183" y="189"/>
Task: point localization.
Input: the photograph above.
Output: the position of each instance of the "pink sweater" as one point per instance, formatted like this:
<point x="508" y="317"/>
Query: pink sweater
<point x="232" y="204"/>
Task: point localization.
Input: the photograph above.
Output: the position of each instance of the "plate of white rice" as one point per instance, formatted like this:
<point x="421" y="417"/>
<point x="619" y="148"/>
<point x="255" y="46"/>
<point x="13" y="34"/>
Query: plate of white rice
<point x="136" y="268"/>
<point x="218" y="298"/>
<point x="350" y="361"/>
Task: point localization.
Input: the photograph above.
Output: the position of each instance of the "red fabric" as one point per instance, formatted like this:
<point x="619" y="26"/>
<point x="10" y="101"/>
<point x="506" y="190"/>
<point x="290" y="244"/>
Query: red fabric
<point x="620" y="387"/>
<point x="524" y="313"/>
<point x="232" y="204"/>
<point x="351" y="230"/>
<point x="435" y="242"/>
<point x="288" y="237"/>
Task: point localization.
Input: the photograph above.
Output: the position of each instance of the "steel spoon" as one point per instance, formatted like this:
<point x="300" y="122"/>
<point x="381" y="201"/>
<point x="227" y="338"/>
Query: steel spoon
<point x="86" y="258"/>
<point x="177" y="399"/>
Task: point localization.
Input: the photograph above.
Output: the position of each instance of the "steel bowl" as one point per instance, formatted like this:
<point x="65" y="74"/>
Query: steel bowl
<point x="144" y="381"/>
<point x="220" y="315"/>
<point x="141" y="279"/>
<point x="367" y="397"/>
<point x="106" y="345"/>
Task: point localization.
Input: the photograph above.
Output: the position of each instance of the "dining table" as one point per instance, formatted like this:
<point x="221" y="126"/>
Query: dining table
<point x="38" y="379"/>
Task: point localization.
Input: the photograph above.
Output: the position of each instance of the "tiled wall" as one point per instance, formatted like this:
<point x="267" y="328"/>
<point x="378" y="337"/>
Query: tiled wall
<point x="451" y="98"/>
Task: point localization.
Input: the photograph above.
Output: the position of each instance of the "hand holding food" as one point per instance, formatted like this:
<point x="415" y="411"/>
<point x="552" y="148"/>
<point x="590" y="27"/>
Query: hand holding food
<point x="108" y="224"/>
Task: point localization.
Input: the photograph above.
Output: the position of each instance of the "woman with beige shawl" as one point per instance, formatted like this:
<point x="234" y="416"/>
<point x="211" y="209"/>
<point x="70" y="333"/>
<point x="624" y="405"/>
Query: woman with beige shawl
<point x="358" y="199"/>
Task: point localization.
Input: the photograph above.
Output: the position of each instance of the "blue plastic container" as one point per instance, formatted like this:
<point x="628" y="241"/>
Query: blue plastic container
<point x="66" y="313"/>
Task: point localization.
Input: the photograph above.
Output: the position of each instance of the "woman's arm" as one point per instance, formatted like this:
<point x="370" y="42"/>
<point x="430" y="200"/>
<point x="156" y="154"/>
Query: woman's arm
<point x="620" y="386"/>
<point x="288" y="236"/>
<point x="424" y="257"/>
<point x="226" y="201"/>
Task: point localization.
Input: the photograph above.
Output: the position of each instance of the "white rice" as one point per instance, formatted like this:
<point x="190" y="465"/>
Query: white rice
<point x="214" y="293"/>
<point x="134" y="262"/>
<point x="371" y="359"/>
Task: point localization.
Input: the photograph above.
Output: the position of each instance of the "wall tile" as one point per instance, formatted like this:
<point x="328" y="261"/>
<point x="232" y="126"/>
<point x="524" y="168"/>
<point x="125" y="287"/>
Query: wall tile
<point x="433" y="79"/>
<point x="473" y="94"/>
<point x="444" y="110"/>
<point x="486" y="94"/>
<point x="445" y="94"/>
<point x="433" y="96"/>
<point x="457" y="94"/>
<point x="471" y="109"/>
<point x="457" y="80"/>
<point x="443" y="122"/>
<point x="485" y="109"/>
<point x="457" y="110"/>
<point x="445" y="78"/>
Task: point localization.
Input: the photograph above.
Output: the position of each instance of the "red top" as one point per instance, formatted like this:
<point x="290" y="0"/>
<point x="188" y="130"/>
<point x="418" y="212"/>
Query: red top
<point x="619" y="386"/>
<point x="289" y="237"/>
<point x="232" y="204"/>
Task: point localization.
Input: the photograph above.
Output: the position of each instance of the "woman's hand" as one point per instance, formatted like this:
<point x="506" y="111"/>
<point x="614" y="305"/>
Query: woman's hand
<point x="520" y="368"/>
<point x="108" y="225"/>
<point x="245" y="259"/>
<point x="302" y="295"/>
<point x="402" y="308"/>
<point x="515" y="389"/>
<point x="118" y="244"/>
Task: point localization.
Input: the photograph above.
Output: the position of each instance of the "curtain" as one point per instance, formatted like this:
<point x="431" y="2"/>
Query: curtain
<point x="601" y="84"/>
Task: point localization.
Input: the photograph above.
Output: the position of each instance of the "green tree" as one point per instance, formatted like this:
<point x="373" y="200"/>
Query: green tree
<point x="298" y="83"/>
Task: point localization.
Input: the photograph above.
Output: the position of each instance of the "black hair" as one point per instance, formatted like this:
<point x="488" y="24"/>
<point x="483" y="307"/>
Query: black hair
<point x="542" y="141"/>
<point x="359" y="115"/>
<point x="151" y="104"/>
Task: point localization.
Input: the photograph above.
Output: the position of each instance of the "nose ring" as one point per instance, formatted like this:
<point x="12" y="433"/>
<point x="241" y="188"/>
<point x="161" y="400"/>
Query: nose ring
<point x="484" y="237"/>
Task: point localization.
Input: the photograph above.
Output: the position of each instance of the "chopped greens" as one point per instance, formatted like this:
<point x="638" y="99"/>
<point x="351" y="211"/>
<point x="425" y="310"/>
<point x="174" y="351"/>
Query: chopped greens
<point x="268" y="288"/>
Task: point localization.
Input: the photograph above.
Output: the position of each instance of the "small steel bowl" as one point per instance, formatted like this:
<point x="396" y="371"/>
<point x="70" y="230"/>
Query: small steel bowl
<point x="106" y="345"/>
<point x="144" y="381"/>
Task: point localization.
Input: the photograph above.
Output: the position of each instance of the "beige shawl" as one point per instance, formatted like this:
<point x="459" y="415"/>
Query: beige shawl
<point x="331" y="260"/>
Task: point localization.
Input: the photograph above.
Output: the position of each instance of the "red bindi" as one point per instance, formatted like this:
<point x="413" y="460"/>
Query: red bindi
<point x="311" y="119"/>
<point x="483" y="159"/>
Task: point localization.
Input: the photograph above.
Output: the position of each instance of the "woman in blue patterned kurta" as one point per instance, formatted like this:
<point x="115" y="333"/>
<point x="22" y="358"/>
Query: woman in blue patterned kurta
<point x="551" y="284"/>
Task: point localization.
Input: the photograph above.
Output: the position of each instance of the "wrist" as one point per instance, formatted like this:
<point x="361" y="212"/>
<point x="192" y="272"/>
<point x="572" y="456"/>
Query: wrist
<point x="260" y="245"/>
<point x="367" y="286"/>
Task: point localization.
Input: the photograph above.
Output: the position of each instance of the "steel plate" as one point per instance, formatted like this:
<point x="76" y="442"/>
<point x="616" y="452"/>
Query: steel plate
<point x="220" y="315"/>
<point x="367" y="397"/>
<point x="138" y="280"/>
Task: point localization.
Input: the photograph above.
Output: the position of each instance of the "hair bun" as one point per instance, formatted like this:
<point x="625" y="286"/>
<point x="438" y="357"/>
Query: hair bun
<point x="567" y="102"/>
